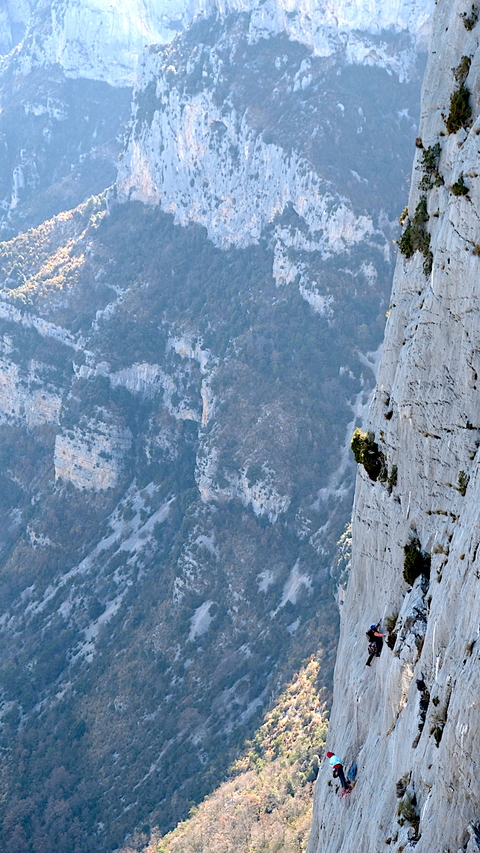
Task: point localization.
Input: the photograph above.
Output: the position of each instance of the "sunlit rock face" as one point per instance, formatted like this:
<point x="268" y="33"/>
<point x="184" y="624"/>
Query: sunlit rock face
<point x="411" y="721"/>
<point x="206" y="158"/>
<point x="93" y="38"/>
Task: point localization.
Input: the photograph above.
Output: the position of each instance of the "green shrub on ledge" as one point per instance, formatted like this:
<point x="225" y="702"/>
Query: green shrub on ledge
<point x="463" y="480"/>
<point x="460" y="187"/>
<point x="367" y="453"/>
<point x="390" y="624"/>
<point x="416" y="561"/>
<point x="408" y="811"/>
<point x="429" y="166"/>
<point x="460" y="110"/>
<point x="416" y="238"/>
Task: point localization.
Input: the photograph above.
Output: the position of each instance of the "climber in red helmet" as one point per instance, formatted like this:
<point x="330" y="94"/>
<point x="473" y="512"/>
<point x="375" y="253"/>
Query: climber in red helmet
<point x="336" y="764"/>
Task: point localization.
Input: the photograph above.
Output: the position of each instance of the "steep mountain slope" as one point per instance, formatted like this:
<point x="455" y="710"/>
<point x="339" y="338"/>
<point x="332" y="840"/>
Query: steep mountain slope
<point x="411" y="722"/>
<point x="68" y="69"/>
<point x="182" y="359"/>
<point x="152" y="624"/>
<point x="267" y="800"/>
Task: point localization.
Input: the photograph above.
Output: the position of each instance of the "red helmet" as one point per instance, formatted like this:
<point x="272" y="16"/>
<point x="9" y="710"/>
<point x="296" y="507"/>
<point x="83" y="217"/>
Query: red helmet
<point x="329" y="754"/>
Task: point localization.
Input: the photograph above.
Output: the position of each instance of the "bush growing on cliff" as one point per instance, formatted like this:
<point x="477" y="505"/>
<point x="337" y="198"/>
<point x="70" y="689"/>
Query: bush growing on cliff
<point x="463" y="480"/>
<point x="408" y="810"/>
<point x="461" y="71"/>
<point x="460" y="187"/>
<point x="390" y="624"/>
<point x="416" y="238"/>
<point x="429" y="166"/>
<point x="367" y="453"/>
<point x="393" y="476"/>
<point x="469" y="21"/>
<point x="439" y="718"/>
<point x="460" y="110"/>
<point x="416" y="561"/>
<point x="401" y="785"/>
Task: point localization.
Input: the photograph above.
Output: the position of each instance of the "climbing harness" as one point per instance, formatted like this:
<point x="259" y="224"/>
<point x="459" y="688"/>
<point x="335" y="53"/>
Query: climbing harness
<point x="345" y="795"/>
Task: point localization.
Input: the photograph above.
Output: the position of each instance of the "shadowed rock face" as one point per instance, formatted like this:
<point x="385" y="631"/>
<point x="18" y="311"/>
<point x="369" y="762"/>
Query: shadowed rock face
<point x="414" y="716"/>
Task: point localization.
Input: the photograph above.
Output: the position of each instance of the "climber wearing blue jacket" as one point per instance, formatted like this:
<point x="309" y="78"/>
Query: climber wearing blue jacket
<point x="336" y="764"/>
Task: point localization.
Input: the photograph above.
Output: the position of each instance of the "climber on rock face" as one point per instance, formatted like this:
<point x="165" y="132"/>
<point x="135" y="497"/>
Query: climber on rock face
<point x="336" y="764"/>
<point x="375" y="644"/>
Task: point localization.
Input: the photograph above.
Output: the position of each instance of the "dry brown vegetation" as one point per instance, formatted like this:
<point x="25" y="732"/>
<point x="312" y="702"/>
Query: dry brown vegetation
<point x="266" y="803"/>
<point x="49" y="258"/>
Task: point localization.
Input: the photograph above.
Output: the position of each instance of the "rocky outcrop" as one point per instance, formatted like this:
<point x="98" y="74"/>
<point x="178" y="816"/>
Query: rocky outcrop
<point x="411" y="721"/>
<point x="211" y="168"/>
<point x="51" y="46"/>
<point x="207" y="160"/>
<point x="24" y="397"/>
<point x="359" y="32"/>
<point x="93" y="39"/>
<point x="262" y="495"/>
<point x="98" y="40"/>
<point x="92" y="457"/>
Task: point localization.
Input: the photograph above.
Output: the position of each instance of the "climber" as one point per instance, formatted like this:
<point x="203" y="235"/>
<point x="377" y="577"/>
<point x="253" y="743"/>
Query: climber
<point x="375" y="642"/>
<point x="336" y="764"/>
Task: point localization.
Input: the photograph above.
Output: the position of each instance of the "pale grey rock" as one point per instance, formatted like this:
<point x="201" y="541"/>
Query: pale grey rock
<point x="264" y="496"/>
<point x="426" y="418"/>
<point x="30" y="321"/>
<point x="14" y="18"/>
<point x="350" y="28"/>
<point x="24" y="397"/>
<point x="95" y="39"/>
<point x="91" y="457"/>
<point x="102" y="40"/>
<point x="234" y="184"/>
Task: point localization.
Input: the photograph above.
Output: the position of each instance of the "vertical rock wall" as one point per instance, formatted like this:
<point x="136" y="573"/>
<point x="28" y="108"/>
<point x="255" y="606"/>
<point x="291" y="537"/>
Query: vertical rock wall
<point x="411" y="721"/>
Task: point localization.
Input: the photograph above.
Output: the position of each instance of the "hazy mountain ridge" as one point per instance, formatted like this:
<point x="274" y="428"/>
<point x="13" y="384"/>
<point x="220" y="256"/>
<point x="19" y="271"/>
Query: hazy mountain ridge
<point x="102" y="43"/>
<point x="97" y="40"/>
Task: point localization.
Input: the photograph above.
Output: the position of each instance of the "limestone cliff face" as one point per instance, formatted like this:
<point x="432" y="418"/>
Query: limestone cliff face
<point x="359" y="31"/>
<point x="91" y="457"/>
<point x="206" y="165"/>
<point x="413" y="718"/>
<point x="49" y="47"/>
<point x="236" y="135"/>
<point x="93" y="38"/>
<point x="101" y="40"/>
